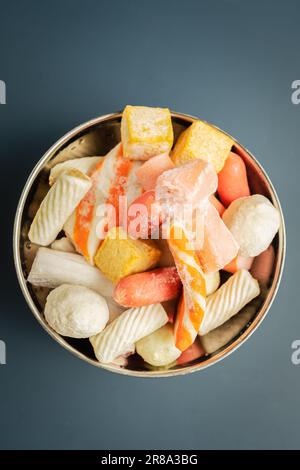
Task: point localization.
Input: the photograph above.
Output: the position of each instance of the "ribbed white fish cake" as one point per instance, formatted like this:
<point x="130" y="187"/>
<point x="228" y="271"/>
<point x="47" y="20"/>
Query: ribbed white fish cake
<point x="57" y="206"/>
<point x="127" y="329"/>
<point x="228" y="300"/>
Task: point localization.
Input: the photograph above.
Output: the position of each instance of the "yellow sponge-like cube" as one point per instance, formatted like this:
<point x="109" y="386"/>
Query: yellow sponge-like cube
<point x="201" y="140"/>
<point x="120" y="255"/>
<point x="146" y="132"/>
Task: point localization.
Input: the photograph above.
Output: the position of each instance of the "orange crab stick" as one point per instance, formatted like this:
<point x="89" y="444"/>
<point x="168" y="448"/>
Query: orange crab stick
<point x="232" y="180"/>
<point x="151" y="287"/>
<point x="192" y="306"/>
<point x="239" y="262"/>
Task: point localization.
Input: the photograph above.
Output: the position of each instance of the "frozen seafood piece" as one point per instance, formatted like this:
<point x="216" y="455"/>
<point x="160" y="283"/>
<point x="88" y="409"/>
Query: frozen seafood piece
<point x="195" y="351"/>
<point x="85" y="146"/>
<point x="149" y="287"/>
<point x="228" y="300"/>
<point x="127" y="329"/>
<point x="158" y="348"/>
<point x="239" y="262"/>
<point x="219" y="337"/>
<point x="120" y="255"/>
<point x="219" y="246"/>
<point x="263" y="266"/>
<point x="218" y="205"/>
<point x="202" y="141"/>
<point x="192" y="306"/>
<point x="76" y="311"/>
<point x="144" y="216"/>
<point x="254" y="222"/>
<point x="148" y="173"/>
<point x="189" y="184"/>
<point x="212" y="282"/>
<point x="57" y="206"/>
<point x="63" y="244"/>
<point x="146" y="132"/>
<point x="233" y="182"/>
<point x="51" y="268"/>
<point x="85" y="165"/>
<point x="114" y="185"/>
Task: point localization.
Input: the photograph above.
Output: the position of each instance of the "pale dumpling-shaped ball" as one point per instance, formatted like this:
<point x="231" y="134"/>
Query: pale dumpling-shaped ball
<point x="253" y="221"/>
<point x="76" y="311"/>
<point x="158" y="348"/>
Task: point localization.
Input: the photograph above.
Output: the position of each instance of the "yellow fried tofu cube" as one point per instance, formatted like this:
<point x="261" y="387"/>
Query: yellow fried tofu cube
<point x="120" y="255"/>
<point x="146" y="132"/>
<point x="201" y="140"/>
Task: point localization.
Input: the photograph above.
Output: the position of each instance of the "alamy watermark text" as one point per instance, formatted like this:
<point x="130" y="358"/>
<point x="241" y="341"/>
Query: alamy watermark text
<point x="2" y="352"/>
<point x="2" y="92"/>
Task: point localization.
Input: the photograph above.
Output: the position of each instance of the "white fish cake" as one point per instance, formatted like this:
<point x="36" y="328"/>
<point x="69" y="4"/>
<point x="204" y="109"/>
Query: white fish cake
<point x="57" y="206"/>
<point x="84" y="164"/>
<point x="158" y="348"/>
<point x="228" y="300"/>
<point x="76" y="311"/>
<point x="51" y="268"/>
<point x="127" y="329"/>
<point x="254" y="222"/>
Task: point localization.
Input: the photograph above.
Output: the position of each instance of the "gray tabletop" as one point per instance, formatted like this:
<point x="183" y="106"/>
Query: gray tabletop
<point x="230" y="62"/>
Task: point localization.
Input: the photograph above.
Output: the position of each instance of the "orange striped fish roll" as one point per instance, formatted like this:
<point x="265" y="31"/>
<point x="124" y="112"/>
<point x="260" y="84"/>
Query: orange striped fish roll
<point x="112" y="178"/>
<point x="192" y="306"/>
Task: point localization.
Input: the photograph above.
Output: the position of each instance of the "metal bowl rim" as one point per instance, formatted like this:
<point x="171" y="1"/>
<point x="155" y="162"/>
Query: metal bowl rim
<point x="214" y="358"/>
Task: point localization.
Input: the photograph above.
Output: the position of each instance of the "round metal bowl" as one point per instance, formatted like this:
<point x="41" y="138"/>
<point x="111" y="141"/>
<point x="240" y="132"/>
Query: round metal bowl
<point x="108" y="131"/>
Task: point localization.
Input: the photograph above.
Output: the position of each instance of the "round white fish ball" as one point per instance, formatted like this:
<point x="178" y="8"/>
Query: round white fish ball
<point x="212" y="282"/>
<point x="76" y="311"/>
<point x="253" y="221"/>
<point x="158" y="349"/>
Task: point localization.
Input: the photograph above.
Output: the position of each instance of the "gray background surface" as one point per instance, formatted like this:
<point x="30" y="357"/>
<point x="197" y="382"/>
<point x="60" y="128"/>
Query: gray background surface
<point x="230" y="62"/>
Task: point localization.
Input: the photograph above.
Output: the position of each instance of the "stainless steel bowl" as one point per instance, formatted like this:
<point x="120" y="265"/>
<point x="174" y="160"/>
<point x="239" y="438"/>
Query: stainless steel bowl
<point x="108" y="127"/>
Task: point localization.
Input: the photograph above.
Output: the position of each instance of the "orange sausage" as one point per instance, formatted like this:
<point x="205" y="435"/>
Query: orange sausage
<point x="218" y="205"/>
<point x="239" y="262"/>
<point x="193" y="352"/>
<point x="232" y="180"/>
<point x="263" y="266"/>
<point x="151" y="287"/>
<point x="140" y="223"/>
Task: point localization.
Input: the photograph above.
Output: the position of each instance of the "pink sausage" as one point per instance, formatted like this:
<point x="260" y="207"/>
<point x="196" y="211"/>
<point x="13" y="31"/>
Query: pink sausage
<point x="233" y="182"/>
<point x="263" y="266"/>
<point x="193" y="352"/>
<point x="144" y="216"/>
<point x="147" y="288"/>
